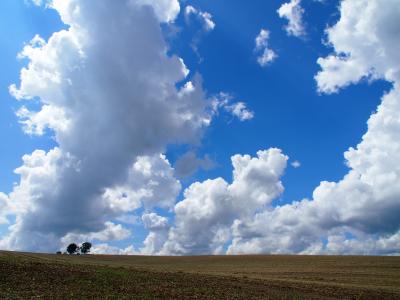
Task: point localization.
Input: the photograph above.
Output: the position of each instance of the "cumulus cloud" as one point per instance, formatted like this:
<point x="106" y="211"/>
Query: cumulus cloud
<point x="293" y="13"/>
<point x="203" y="219"/>
<point x="158" y="231"/>
<point x="266" y="54"/>
<point x="358" y="214"/>
<point x="365" y="45"/>
<point x="150" y="183"/>
<point x="36" y="123"/>
<point x="109" y="95"/>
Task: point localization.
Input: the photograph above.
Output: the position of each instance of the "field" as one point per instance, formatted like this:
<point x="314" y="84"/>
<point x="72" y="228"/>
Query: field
<point x="41" y="276"/>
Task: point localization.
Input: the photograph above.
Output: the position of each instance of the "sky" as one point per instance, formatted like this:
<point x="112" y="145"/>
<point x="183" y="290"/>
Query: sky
<point x="166" y="127"/>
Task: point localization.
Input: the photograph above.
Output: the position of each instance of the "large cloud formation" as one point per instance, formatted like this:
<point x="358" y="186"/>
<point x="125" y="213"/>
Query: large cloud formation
<point x="360" y="213"/>
<point x="203" y="219"/>
<point x="107" y="89"/>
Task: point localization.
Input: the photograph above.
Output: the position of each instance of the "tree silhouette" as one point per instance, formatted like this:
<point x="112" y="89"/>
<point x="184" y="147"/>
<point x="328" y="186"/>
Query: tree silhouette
<point x="85" y="248"/>
<point x="72" y="248"/>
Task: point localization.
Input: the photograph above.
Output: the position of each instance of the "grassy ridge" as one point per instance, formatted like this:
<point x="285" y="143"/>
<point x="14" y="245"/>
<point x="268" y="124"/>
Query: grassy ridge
<point x="26" y="275"/>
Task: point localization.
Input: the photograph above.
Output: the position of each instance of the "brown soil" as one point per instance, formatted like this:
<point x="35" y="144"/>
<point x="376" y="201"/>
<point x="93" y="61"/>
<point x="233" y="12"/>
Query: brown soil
<point x="38" y="276"/>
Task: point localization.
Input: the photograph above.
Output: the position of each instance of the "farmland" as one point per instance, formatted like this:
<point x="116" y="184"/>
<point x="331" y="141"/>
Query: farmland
<point x="41" y="276"/>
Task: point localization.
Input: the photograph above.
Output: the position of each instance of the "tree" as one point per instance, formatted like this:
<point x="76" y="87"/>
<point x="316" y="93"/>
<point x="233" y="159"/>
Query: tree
<point x="85" y="248"/>
<point x="72" y="248"/>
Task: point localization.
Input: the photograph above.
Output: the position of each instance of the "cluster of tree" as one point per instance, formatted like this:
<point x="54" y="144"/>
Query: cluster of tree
<point x="75" y="249"/>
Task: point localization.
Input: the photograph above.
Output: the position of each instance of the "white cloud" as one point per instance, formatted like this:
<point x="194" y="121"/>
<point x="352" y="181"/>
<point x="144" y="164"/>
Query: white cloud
<point x="205" y="17"/>
<point x="203" y="218"/>
<point x="4" y="209"/>
<point x="152" y="221"/>
<point x="150" y="183"/>
<point x="158" y="232"/>
<point x="111" y="232"/>
<point x="365" y="45"/>
<point x="339" y="244"/>
<point x="266" y="54"/>
<point x="109" y="95"/>
<point x="240" y="111"/>
<point x="296" y="164"/>
<point x="293" y="12"/>
<point x="105" y="248"/>
<point x="35" y="123"/>
<point x="237" y="109"/>
<point x="166" y="10"/>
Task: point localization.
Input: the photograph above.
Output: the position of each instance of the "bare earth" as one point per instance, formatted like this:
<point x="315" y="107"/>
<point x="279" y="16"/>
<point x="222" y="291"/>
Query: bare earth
<point x="44" y="276"/>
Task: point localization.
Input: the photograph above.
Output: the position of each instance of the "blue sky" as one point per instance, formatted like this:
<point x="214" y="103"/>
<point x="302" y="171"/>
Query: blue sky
<point x="310" y="125"/>
<point x="19" y="23"/>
